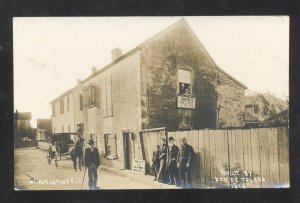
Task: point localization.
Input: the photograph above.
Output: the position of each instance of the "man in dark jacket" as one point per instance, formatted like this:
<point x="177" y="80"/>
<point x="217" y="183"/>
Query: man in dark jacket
<point x="184" y="161"/>
<point x="162" y="175"/>
<point x="92" y="162"/>
<point x="171" y="163"/>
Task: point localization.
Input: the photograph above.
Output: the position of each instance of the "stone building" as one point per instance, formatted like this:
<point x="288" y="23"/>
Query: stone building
<point x="169" y="81"/>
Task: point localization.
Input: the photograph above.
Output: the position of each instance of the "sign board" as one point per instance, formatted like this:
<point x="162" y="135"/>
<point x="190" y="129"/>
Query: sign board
<point x="186" y="102"/>
<point x="138" y="166"/>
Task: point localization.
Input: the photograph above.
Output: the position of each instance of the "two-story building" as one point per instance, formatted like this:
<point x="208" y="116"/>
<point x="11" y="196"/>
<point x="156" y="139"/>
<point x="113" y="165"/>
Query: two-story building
<point x="169" y="81"/>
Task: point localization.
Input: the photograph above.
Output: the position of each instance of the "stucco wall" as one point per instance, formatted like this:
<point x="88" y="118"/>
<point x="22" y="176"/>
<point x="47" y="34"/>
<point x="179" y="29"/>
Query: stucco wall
<point x="231" y="98"/>
<point x="66" y="119"/>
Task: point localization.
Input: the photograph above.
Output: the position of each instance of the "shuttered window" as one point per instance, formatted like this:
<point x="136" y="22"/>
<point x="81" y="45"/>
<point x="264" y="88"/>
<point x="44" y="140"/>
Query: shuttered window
<point x="107" y="97"/>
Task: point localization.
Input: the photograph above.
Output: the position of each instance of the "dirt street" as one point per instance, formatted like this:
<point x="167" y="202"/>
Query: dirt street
<point x="32" y="172"/>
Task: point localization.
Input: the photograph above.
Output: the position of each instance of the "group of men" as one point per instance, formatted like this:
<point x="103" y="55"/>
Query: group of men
<point x="172" y="164"/>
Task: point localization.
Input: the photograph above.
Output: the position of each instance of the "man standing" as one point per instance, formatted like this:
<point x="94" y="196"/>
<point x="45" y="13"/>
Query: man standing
<point x="162" y="162"/>
<point x="184" y="161"/>
<point x="171" y="164"/>
<point x="92" y="162"/>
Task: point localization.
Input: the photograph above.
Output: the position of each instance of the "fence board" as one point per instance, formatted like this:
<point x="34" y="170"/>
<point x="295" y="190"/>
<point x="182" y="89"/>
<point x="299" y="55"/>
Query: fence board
<point x="273" y="157"/>
<point x="247" y="158"/>
<point x="196" y="161"/>
<point x="206" y="145"/>
<point x="212" y="150"/>
<point x="239" y="158"/>
<point x="256" y="172"/>
<point x="264" y="157"/>
<point x="283" y="156"/>
<point x="202" y="157"/>
<point x="232" y="155"/>
<point x="222" y="158"/>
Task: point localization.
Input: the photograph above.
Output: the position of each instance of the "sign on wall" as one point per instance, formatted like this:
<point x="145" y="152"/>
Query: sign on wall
<point x="186" y="102"/>
<point x="138" y="166"/>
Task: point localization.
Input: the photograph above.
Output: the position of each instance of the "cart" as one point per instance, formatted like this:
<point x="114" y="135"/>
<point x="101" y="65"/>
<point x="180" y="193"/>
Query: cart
<point x="60" y="145"/>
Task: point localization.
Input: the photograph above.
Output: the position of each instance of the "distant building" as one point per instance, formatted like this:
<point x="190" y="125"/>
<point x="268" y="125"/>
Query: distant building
<point x="43" y="129"/>
<point x="22" y="120"/>
<point x="168" y="81"/>
<point x="23" y="132"/>
<point x="262" y="107"/>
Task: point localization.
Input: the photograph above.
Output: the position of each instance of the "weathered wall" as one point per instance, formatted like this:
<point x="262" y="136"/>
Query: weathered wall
<point x="66" y="119"/>
<point x="230" y="100"/>
<point x="126" y="107"/>
<point x="160" y="58"/>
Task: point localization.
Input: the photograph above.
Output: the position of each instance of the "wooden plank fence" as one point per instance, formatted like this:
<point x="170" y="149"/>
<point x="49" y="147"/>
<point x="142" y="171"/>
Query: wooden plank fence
<point x="243" y="158"/>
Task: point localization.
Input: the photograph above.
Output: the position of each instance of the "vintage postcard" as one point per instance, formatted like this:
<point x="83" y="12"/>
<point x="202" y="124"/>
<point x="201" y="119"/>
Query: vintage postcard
<point x="151" y="102"/>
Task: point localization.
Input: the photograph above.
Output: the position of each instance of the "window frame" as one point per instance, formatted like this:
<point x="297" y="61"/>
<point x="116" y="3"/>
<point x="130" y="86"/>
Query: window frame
<point x="80" y="102"/>
<point x="179" y="82"/>
<point x="110" y="136"/>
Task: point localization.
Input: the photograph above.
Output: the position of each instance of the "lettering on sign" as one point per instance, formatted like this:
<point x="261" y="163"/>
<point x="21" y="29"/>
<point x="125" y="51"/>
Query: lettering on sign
<point x="186" y="102"/>
<point x="138" y="166"/>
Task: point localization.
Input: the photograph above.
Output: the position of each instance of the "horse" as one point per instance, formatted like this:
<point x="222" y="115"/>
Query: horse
<point x="76" y="151"/>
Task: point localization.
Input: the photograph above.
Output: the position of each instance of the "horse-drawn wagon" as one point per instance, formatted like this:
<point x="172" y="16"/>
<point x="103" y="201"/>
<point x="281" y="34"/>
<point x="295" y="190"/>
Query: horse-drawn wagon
<point x="61" y="144"/>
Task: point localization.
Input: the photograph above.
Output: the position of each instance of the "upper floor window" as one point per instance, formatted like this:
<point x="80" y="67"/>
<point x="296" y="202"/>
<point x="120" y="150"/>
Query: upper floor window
<point x="53" y="109"/>
<point x="61" y="104"/>
<point x="185" y="81"/>
<point x="81" y="102"/>
<point x="92" y="96"/>
<point x="255" y="109"/>
<point x="68" y="103"/>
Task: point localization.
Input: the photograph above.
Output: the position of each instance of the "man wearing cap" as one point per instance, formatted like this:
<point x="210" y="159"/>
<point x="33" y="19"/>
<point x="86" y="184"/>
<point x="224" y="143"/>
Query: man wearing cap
<point x="184" y="161"/>
<point x="171" y="163"/>
<point x="92" y="162"/>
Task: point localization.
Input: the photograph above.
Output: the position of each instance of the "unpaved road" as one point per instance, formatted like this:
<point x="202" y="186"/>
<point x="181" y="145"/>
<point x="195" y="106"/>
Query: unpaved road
<point x="32" y="172"/>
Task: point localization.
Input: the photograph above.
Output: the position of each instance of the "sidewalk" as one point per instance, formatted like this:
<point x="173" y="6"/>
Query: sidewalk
<point x="146" y="179"/>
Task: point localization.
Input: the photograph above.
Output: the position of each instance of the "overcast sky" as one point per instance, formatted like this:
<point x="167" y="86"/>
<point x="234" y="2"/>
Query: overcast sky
<point x="50" y="54"/>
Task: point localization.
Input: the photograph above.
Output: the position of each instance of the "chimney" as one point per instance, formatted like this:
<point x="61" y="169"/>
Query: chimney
<point x="115" y="54"/>
<point x="94" y="70"/>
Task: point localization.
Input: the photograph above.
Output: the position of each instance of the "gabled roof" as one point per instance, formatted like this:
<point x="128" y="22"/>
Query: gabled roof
<point x="139" y="47"/>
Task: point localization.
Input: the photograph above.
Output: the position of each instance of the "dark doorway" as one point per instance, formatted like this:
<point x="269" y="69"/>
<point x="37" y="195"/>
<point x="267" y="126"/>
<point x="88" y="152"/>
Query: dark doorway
<point x="127" y="150"/>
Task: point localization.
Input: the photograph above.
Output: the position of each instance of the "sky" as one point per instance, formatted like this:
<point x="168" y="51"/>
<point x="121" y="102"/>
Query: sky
<point x="51" y="53"/>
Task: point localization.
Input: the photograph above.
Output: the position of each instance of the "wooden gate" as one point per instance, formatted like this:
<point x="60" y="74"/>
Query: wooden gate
<point x="149" y="139"/>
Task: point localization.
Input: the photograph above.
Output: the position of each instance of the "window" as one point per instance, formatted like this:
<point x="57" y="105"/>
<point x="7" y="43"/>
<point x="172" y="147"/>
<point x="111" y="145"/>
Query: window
<point x="54" y="129"/>
<point x="68" y="103"/>
<point x="61" y="104"/>
<point x="80" y="127"/>
<point x="110" y="144"/>
<point x="53" y="109"/>
<point x="92" y="96"/>
<point x="62" y="129"/>
<point x="107" y="97"/>
<point x="69" y="128"/>
<point x="185" y="81"/>
<point x="80" y="102"/>
<point x="255" y="109"/>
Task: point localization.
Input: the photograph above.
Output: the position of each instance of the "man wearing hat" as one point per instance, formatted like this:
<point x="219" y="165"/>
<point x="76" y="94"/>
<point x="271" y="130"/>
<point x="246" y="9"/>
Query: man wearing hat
<point x="162" y="175"/>
<point x="171" y="163"/>
<point x="92" y="162"/>
<point x="184" y="161"/>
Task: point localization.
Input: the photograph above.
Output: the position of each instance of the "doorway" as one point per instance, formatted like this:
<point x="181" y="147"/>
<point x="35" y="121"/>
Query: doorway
<point x="127" y="150"/>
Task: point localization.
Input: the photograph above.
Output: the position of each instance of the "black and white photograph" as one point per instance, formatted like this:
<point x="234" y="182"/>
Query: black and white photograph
<point x="181" y="102"/>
